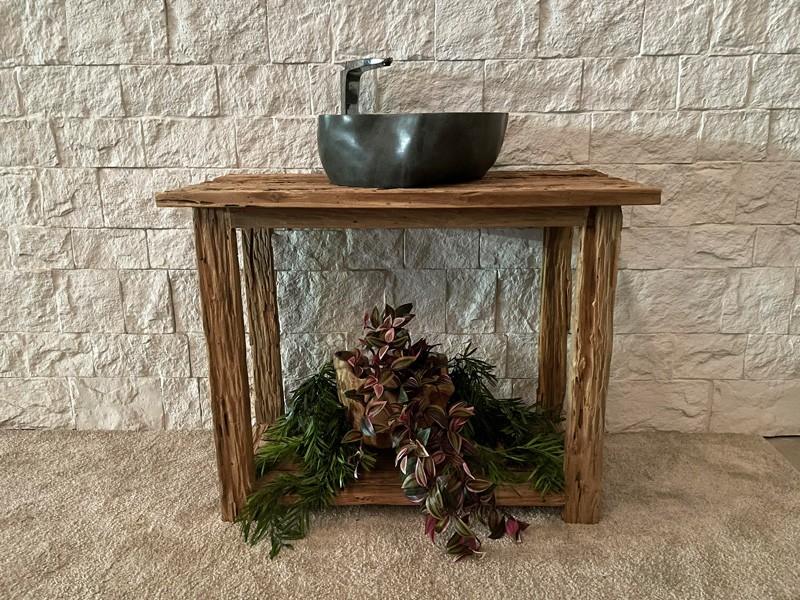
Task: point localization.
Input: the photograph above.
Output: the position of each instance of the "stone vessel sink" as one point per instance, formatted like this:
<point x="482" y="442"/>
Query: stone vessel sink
<point x="409" y="150"/>
<point x="404" y="150"/>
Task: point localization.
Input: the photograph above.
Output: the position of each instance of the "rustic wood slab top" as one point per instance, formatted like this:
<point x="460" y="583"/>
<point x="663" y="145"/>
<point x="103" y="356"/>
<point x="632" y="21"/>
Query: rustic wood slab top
<point x="499" y="189"/>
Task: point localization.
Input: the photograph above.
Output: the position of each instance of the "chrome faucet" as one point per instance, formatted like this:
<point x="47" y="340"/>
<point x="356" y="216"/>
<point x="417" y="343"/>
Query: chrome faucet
<point x="351" y="80"/>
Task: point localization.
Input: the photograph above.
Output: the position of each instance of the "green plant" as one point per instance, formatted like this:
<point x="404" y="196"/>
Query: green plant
<point x="453" y="441"/>
<point x="391" y="370"/>
<point x="309" y="438"/>
<point x="403" y="380"/>
<point x="515" y="441"/>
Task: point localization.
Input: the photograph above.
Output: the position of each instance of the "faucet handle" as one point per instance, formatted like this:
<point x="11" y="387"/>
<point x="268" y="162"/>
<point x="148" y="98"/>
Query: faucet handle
<point x="365" y="64"/>
<point x="351" y="80"/>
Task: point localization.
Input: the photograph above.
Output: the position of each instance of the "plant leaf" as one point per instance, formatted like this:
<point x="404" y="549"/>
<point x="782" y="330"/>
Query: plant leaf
<point x="467" y="471"/>
<point x="409" y="482"/>
<point x="478" y="485"/>
<point x="433" y="504"/>
<point x="367" y="428"/>
<point x="403" y="362"/>
<point x="455" y="441"/>
<point x="461" y="410"/>
<point x="419" y="474"/>
<point x="455" y="544"/>
<point x="422" y="451"/>
<point x="497" y="526"/>
<point x="400" y="454"/>
<point x="402" y="396"/>
<point x="442" y="524"/>
<point x="430" y="527"/>
<point x="352" y="436"/>
<point x="404" y="465"/>
<point x="375" y="317"/>
<point x="423" y="435"/>
<point x="403" y="309"/>
<point x="377" y="407"/>
<point x="461" y="528"/>
<point x="512" y="527"/>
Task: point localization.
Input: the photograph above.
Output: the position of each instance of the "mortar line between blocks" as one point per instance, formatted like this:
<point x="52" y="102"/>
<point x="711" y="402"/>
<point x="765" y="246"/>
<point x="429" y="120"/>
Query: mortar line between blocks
<point x="641" y="26"/>
<point x="166" y="31"/>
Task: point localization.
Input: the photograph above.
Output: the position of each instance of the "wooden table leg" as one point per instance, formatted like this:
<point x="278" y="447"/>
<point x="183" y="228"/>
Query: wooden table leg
<point x="262" y="306"/>
<point x="554" y="308"/>
<point x="220" y="295"/>
<point x="593" y="324"/>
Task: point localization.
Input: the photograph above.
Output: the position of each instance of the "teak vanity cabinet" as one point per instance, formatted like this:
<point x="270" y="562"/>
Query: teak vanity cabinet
<point x="557" y="201"/>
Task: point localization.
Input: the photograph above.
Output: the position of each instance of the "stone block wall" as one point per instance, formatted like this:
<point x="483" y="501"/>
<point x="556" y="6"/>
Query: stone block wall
<point x="103" y="102"/>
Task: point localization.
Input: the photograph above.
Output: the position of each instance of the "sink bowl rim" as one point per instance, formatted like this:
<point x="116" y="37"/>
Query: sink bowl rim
<point x="413" y="114"/>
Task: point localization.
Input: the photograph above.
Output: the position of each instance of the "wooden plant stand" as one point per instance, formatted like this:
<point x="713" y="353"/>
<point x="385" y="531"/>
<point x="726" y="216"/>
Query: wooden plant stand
<point x="554" y="200"/>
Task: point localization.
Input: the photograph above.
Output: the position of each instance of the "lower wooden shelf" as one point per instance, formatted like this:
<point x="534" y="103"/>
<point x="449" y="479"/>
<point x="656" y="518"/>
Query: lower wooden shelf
<point x="381" y="487"/>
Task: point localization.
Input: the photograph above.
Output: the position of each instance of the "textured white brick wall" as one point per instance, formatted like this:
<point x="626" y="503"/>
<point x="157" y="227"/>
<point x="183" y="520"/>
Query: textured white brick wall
<point x="103" y="101"/>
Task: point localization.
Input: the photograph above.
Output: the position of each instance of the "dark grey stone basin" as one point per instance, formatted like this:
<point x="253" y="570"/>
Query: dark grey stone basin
<point x="409" y="150"/>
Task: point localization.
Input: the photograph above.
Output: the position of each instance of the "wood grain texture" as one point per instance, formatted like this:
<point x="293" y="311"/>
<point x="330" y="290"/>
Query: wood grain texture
<point x="221" y="302"/>
<point x="381" y="487"/>
<point x="400" y="218"/>
<point x="499" y="189"/>
<point x="593" y="324"/>
<point x="262" y="314"/>
<point x="258" y="436"/>
<point x="554" y="309"/>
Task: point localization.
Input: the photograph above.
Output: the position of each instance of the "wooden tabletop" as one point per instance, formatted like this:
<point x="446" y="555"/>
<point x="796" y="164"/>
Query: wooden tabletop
<point x="499" y="189"/>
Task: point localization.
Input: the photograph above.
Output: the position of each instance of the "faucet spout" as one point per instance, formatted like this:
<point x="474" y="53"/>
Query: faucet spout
<point x="351" y="80"/>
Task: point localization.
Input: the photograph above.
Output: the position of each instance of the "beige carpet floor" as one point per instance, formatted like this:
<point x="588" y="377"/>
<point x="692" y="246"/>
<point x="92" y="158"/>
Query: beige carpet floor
<point x="133" y="515"/>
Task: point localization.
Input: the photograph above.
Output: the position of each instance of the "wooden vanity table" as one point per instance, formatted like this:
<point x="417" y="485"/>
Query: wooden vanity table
<point x="557" y="201"/>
